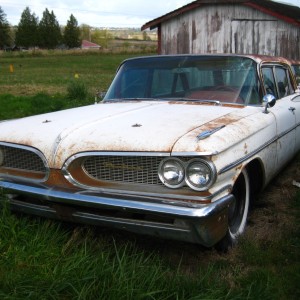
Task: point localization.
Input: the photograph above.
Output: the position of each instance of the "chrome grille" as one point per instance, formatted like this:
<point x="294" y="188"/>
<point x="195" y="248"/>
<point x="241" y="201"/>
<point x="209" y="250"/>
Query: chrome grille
<point x="128" y="169"/>
<point x="22" y="159"/>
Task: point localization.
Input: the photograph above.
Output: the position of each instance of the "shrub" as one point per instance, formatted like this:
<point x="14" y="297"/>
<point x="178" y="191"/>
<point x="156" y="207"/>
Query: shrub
<point x="77" y="90"/>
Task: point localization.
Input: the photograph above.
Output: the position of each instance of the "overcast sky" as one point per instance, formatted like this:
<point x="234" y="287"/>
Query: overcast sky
<point x="99" y="13"/>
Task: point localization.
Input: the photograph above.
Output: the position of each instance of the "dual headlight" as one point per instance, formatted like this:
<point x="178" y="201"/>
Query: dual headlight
<point x="198" y="174"/>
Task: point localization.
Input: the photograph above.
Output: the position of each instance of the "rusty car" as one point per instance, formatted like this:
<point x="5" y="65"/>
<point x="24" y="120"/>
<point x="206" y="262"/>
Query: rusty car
<point x="177" y="148"/>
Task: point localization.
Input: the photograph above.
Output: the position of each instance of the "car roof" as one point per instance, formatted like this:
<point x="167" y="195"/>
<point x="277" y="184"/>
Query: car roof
<point x="256" y="57"/>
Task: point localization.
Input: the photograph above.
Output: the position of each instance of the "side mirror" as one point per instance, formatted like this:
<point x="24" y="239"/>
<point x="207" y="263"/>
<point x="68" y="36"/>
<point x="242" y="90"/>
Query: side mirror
<point x="270" y="101"/>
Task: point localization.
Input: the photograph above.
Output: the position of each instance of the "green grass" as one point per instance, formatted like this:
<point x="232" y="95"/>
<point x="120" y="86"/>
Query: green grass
<point x="45" y="259"/>
<point x="23" y="106"/>
<point x="52" y="73"/>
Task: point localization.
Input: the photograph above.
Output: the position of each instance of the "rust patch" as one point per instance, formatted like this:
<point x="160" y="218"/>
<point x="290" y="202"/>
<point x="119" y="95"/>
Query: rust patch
<point x="191" y="102"/>
<point x="23" y="173"/>
<point x="56" y="178"/>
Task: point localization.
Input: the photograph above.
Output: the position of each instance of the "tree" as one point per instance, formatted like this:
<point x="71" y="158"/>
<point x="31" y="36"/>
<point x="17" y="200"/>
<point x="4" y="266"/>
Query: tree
<point x="49" y="31"/>
<point x="5" y="39"/>
<point x="27" y="32"/>
<point x="101" y="37"/>
<point x="85" y="32"/>
<point x="72" y="33"/>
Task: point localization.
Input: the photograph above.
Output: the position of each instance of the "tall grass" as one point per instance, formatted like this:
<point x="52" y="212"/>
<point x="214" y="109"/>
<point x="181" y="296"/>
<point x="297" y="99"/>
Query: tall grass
<point x="45" y="259"/>
<point x="77" y="90"/>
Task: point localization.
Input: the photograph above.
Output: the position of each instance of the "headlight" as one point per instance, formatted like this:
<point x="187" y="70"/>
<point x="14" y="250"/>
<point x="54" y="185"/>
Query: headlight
<point x="171" y="172"/>
<point x="200" y="174"/>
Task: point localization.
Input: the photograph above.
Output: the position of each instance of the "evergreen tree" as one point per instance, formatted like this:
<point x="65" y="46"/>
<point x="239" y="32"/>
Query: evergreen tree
<point x="27" y="32"/>
<point x="72" y="33"/>
<point x="5" y="39"/>
<point x="49" y="31"/>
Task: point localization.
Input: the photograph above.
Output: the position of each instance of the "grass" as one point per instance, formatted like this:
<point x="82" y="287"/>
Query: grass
<point x="52" y="73"/>
<point x="46" y="259"/>
<point x="63" y="261"/>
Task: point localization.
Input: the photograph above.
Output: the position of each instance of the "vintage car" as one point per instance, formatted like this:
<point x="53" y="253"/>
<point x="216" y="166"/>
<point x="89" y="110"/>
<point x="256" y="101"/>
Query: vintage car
<point x="177" y="149"/>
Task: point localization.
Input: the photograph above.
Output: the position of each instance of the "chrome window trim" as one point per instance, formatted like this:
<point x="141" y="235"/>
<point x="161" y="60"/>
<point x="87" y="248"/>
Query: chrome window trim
<point x="35" y="151"/>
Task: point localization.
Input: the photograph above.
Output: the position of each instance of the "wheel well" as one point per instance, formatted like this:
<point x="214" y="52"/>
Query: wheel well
<point x="256" y="175"/>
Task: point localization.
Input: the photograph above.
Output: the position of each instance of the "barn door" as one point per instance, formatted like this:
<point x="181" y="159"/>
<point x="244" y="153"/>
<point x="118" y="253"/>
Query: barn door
<point x="253" y="37"/>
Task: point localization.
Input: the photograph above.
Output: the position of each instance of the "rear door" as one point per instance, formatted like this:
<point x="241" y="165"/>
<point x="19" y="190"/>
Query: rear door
<point x="277" y="81"/>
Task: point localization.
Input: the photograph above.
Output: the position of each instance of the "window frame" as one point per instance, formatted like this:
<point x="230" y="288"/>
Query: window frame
<point x="273" y="68"/>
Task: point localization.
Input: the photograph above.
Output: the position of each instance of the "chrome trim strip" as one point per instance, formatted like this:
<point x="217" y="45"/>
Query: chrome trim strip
<point x="35" y="151"/>
<point x="207" y="230"/>
<point x="254" y="152"/>
<point x="119" y="202"/>
<point x="166" y="197"/>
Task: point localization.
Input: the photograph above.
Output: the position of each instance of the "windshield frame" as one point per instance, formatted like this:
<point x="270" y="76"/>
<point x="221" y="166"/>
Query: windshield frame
<point x="148" y="78"/>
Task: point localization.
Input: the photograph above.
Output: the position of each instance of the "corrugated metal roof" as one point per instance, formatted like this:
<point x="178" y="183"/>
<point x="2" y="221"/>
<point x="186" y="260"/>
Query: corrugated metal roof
<point x="286" y="12"/>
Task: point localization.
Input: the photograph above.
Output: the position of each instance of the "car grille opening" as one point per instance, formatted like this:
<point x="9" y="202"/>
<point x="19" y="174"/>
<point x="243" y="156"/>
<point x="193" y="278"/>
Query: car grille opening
<point x="125" y="169"/>
<point x="19" y="161"/>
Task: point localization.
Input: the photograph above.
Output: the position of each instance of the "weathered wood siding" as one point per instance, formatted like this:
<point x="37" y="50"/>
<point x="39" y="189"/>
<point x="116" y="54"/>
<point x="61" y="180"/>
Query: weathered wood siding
<point x="230" y="29"/>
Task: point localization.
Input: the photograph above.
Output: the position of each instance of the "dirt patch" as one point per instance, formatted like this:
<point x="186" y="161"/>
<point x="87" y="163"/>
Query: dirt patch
<point x="271" y="216"/>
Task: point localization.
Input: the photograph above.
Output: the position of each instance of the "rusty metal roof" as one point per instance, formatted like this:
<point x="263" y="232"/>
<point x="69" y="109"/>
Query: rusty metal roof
<point x="285" y="12"/>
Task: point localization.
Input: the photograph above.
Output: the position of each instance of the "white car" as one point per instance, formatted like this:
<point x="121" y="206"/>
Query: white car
<point x="177" y="148"/>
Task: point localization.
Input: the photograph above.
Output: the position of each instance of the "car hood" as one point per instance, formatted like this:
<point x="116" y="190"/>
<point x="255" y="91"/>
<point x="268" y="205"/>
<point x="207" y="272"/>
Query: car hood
<point x="123" y="126"/>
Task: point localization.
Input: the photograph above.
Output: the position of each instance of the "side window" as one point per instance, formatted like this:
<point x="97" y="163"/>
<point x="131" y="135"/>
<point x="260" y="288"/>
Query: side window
<point x="277" y="81"/>
<point x="296" y="70"/>
<point x="283" y="83"/>
<point x="269" y="81"/>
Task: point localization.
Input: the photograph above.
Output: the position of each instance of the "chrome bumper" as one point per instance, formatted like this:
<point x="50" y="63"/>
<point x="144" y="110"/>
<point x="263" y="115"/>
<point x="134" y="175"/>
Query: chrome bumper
<point x="204" y="224"/>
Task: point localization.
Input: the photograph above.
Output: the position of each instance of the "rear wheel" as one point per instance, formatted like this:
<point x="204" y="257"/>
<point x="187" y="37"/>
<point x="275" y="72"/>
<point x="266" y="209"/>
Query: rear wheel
<point x="238" y="212"/>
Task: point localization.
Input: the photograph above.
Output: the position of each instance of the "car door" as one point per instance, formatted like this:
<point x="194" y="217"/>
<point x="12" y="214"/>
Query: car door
<point x="277" y="82"/>
<point x="296" y="105"/>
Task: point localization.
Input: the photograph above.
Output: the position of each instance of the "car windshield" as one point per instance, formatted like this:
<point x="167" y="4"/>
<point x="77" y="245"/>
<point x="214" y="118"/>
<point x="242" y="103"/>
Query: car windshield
<point x="231" y="79"/>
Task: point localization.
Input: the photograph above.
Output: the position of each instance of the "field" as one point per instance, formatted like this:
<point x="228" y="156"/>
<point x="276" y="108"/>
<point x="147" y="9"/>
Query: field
<point x="46" y="259"/>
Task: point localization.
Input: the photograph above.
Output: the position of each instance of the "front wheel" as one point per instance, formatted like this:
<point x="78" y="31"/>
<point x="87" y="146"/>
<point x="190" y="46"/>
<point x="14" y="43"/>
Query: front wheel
<point x="238" y="212"/>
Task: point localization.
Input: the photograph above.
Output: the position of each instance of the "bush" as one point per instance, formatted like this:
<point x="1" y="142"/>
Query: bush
<point x="77" y="90"/>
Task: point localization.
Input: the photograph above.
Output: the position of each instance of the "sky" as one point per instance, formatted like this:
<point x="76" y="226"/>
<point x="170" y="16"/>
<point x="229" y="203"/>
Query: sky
<point x="99" y="13"/>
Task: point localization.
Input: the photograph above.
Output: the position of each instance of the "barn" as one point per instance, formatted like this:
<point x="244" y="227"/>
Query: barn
<point x="230" y="26"/>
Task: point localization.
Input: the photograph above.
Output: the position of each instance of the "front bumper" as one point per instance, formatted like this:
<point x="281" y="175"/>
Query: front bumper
<point x="204" y="224"/>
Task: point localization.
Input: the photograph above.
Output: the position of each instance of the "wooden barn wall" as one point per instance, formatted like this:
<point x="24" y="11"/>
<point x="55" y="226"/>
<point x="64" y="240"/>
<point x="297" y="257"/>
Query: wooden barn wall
<point x="230" y="29"/>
